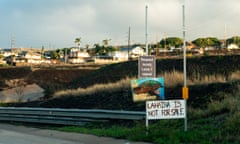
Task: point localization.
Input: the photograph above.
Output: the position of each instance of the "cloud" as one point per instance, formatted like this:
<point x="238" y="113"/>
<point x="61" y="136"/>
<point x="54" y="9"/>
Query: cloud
<point x="59" y="22"/>
<point x="209" y="18"/>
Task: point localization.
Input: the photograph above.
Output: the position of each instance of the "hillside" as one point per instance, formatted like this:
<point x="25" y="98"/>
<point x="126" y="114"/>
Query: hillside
<point x="213" y="105"/>
<point x="53" y="79"/>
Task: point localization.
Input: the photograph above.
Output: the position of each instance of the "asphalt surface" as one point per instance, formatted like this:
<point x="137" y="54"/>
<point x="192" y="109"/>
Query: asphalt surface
<point x="12" y="134"/>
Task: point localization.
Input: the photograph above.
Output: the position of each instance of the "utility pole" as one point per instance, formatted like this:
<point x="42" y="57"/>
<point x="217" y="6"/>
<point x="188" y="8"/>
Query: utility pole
<point x="225" y="33"/>
<point x="12" y="41"/>
<point x="156" y="49"/>
<point x="129" y="33"/>
<point x="146" y="28"/>
<point x="12" y="46"/>
<point x="165" y="44"/>
<point x="65" y="55"/>
<point x="185" y="89"/>
<point x="49" y="46"/>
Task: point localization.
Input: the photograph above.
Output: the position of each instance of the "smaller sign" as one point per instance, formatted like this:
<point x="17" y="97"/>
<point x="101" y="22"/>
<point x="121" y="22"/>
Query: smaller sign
<point x="147" y="89"/>
<point x="165" y="109"/>
<point x="146" y="67"/>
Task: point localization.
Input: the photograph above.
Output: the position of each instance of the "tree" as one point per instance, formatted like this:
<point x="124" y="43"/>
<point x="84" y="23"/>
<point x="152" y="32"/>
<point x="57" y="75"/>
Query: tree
<point x="19" y="86"/>
<point x="97" y="50"/>
<point x="19" y="89"/>
<point x="42" y="52"/>
<point x="206" y="42"/>
<point x="104" y="49"/>
<point x="214" y="42"/>
<point x="200" y="42"/>
<point x="87" y="47"/>
<point x="106" y="42"/>
<point x="56" y="54"/>
<point x="78" y="42"/>
<point x="2" y="56"/>
<point x="234" y="40"/>
<point x="171" y="42"/>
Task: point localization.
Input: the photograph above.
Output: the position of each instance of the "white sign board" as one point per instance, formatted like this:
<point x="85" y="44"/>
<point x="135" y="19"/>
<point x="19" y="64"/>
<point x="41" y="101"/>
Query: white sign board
<point x="147" y="66"/>
<point x="165" y="109"/>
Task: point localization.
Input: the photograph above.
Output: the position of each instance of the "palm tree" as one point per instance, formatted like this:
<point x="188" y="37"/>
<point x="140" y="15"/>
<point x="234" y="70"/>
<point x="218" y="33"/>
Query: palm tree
<point x="78" y="42"/>
<point x="42" y="52"/>
<point x="106" y="42"/>
<point x="87" y="47"/>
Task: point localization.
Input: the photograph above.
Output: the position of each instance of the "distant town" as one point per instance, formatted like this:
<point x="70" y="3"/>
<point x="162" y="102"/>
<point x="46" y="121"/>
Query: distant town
<point x="105" y="53"/>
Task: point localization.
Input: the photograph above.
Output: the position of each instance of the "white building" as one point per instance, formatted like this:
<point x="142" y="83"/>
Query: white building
<point x="127" y="52"/>
<point x="78" y="56"/>
<point x="7" y="52"/>
<point x="30" y="57"/>
<point x="232" y="46"/>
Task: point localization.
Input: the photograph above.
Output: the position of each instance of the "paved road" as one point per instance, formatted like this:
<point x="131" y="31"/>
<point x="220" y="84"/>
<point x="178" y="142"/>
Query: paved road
<point x="11" y="134"/>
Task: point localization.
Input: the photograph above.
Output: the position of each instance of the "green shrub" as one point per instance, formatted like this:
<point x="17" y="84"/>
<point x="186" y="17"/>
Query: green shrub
<point x="3" y="104"/>
<point x="215" y="107"/>
<point x="228" y="104"/>
<point x="232" y="124"/>
<point x="231" y="131"/>
<point x="195" y="113"/>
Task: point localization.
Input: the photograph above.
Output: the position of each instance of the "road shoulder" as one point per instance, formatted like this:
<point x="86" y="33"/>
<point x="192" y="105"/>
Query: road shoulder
<point x="75" y="137"/>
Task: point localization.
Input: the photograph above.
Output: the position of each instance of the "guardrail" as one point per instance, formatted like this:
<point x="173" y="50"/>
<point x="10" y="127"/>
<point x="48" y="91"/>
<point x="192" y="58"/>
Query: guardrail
<point x="65" y="116"/>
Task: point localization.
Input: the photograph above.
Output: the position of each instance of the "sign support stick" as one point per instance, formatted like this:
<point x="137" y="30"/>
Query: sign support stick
<point x="184" y="62"/>
<point x="146" y="124"/>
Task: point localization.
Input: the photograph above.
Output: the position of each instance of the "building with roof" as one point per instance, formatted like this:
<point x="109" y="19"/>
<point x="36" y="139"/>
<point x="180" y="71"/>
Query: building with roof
<point x="125" y="52"/>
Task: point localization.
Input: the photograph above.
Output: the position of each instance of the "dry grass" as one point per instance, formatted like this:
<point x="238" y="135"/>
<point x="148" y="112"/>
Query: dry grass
<point x="230" y="103"/>
<point x="176" y="78"/>
<point x="171" y="79"/>
<point x="235" y="75"/>
<point x="97" y="88"/>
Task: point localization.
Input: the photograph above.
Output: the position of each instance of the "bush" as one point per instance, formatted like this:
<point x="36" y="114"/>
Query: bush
<point x="232" y="124"/>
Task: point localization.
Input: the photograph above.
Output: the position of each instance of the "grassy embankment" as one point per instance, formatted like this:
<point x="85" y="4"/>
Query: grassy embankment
<point x="213" y="106"/>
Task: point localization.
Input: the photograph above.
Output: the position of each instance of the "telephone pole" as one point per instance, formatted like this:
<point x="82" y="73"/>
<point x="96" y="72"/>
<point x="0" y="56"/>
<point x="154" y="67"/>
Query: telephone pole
<point x="12" y="46"/>
<point x="129" y="34"/>
<point x="146" y="28"/>
<point x="12" y="41"/>
<point x="157" y="43"/>
<point x="185" y="89"/>
<point x="225" y="35"/>
<point x="165" y="45"/>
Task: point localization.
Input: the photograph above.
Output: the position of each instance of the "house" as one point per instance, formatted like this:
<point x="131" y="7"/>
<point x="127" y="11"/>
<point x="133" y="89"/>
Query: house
<point x="7" y="52"/>
<point x="29" y="57"/>
<point x="190" y="46"/>
<point x="126" y="52"/>
<point x="232" y="46"/>
<point x="78" y="56"/>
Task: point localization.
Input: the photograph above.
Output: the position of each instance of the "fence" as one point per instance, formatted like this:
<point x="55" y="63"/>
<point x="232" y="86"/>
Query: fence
<point x="65" y="116"/>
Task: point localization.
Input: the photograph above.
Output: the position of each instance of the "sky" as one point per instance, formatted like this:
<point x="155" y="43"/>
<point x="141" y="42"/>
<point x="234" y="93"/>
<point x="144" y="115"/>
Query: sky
<point x="56" y="23"/>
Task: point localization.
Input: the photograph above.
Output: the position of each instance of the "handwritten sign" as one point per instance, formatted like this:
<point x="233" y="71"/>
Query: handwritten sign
<point x="147" y="66"/>
<point x="165" y="109"/>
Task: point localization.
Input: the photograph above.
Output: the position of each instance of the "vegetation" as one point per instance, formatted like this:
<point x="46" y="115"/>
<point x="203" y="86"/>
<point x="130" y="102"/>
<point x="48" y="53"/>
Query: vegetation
<point x="218" y="122"/>
<point x="234" y="40"/>
<point x="199" y="42"/>
<point x="171" y="42"/>
<point x="104" y="49"/>
<point x="213" y="105"/>
<point x="78" y="42"/>
<point x="207" y="42"/>
<point x="168" y="43"/>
